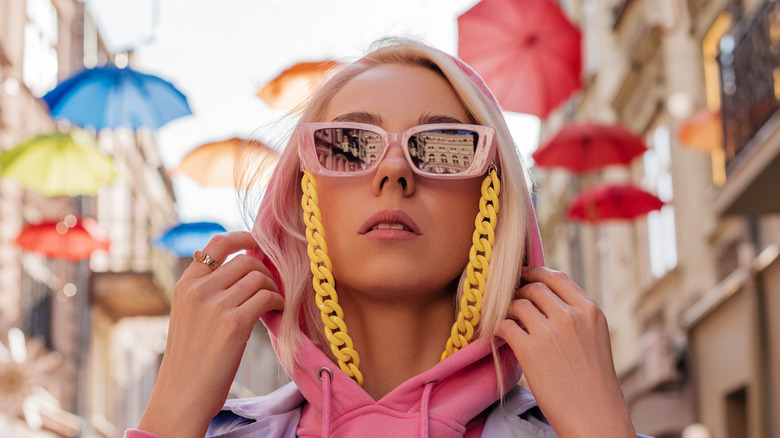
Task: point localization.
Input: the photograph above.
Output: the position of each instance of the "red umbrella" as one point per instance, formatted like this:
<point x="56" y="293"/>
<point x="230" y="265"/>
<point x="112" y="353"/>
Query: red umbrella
<point x="581" y="147"/>
<point x="72" y="238"/>
<point x="527" y="52"/>
<point x="605" y="202"/>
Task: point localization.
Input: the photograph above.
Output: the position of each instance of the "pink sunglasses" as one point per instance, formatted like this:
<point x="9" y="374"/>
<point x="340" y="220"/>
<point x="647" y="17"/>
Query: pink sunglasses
<point x="447" y="150"/>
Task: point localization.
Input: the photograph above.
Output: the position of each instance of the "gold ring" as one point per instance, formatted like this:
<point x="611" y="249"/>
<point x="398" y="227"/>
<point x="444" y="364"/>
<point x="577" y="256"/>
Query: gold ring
<point x="204" y="258"/>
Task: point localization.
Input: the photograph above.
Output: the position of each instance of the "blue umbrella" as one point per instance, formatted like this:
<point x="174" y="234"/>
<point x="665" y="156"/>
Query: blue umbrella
<point x="110" y="97"/>
<point x="186" y="238"/>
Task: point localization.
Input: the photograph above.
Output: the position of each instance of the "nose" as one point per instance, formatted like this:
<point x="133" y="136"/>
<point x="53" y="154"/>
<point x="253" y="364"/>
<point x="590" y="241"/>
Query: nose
<point x="393" y="172"/>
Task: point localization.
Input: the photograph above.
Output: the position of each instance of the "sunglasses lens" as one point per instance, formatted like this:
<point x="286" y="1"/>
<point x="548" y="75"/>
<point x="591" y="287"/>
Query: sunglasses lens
<point x="443" y="151"/>
<point x="346" y="149"/>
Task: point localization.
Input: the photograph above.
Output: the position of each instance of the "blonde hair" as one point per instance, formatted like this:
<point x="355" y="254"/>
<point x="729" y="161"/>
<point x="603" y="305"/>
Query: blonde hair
<point x="279" y="228"/>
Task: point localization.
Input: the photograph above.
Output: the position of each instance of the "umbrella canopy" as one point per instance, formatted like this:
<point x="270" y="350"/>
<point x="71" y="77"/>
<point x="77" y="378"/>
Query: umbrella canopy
<point x="703" y="131"/>
<point x="527" y="52"/>
<point x="582" y="147"/>
<point x="605" y="202"/>
<point x="186" y="238"/>
<point x="294" y="85"/>
<point x="72" y="238"/>
<point x="62" y="163"/>
<point x="112" y="97"/>
<point x="211" y="164"/>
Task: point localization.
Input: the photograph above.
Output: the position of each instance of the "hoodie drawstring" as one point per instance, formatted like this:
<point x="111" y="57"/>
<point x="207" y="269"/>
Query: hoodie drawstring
<point x="425" y="402"/>
<point x="326" y="376"/>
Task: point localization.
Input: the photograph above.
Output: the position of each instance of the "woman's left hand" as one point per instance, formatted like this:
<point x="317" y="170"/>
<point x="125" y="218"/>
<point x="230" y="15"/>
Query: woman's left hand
<point x="561" y="340"/>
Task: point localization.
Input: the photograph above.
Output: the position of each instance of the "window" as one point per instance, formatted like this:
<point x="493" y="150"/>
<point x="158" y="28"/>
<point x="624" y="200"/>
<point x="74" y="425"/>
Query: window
<point x="39" y="70"/>
<point x="662" y="242"/>
<point x="737" y="413"/>
<point x="710" y="50"/>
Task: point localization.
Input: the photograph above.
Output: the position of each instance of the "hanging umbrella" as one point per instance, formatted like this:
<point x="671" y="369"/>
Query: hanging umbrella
<point x="527" y="52"/>
<point x="72" y="238"/>
<point x="605" y="202"/>
<point x="294" y="85"/>
<point x="110" y="97"/>
<point x="186" y="238"/>
<point x="582" y="147"/>
<point x="62" y="163"/>
<point x="703" y="131"/>
<point x="211" y="164"/>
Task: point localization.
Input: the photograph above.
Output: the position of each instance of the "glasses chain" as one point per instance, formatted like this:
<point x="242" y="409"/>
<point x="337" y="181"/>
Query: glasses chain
<point x="477" y="270"/>
<point x="324" y="286"/>
<point x="326" y="297"/>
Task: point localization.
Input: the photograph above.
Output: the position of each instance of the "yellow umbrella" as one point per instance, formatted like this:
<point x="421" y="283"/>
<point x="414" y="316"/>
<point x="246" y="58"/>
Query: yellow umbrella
<point x="60" y="163"/>
<point x="212" y="164"/>
<point x="294" y="85"/>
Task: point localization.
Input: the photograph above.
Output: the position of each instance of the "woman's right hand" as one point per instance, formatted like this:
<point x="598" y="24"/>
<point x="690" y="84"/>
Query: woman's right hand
<point x="212" y="315"/>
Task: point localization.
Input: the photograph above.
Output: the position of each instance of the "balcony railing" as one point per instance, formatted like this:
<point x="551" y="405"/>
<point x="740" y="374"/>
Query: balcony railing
<point x="750" y="77"/>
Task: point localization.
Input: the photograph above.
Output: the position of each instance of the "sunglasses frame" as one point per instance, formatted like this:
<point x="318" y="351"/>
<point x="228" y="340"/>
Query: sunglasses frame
<point x="483" y="154"/>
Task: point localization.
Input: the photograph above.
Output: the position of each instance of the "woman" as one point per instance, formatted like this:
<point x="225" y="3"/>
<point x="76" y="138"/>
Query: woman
<point x="398" y="317"/>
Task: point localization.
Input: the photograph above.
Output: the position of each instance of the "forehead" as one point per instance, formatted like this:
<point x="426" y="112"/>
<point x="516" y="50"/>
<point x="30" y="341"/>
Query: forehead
<point x="399" y="95"/>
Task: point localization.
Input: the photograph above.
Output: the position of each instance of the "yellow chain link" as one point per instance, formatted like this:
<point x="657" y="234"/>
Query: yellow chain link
<point x="326" y="297"/>
<point x="477" y="270"/>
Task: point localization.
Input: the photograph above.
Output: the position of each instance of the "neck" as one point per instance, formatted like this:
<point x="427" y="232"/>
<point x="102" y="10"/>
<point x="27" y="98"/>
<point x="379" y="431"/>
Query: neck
<point x="396" y="340"/>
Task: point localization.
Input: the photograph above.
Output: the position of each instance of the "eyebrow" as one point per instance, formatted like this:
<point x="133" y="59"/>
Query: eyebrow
<point x="360" y="117"/>
<point x="430" y="119"/>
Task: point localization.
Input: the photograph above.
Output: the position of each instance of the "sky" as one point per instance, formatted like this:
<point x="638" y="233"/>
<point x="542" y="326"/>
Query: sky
<point x="220" y="53"/>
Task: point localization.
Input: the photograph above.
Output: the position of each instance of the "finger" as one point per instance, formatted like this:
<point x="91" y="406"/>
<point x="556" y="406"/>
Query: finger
<point x="525" y="313"/>
<point x="221" y="246"/>
<point x="235" y="269"/>
<point x="559" y="283"/>
<point x="543" y="298"/>
<point x="262" y="302"/>
<point x="247" y="286"/>
<point x="513" y="334"/>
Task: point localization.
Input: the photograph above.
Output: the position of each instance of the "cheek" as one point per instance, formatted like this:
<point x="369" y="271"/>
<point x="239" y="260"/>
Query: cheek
<point x="336" y="204"/>
<point x="456" y="225"/>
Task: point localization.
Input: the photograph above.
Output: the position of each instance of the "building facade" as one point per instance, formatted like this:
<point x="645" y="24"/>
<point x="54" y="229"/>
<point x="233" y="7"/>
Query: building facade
<point x="690" y="290"/>
<point x="73" y="314"/>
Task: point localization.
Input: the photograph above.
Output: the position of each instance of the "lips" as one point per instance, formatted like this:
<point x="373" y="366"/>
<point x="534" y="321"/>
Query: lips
<point x="392" y="221"/>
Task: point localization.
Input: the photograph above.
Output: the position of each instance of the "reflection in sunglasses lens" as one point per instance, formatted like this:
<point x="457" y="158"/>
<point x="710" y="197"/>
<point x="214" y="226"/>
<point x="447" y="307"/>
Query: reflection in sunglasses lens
<point x="443" y="151"/>
<point x="347" y="150"/>
<point x="436" y="151"/>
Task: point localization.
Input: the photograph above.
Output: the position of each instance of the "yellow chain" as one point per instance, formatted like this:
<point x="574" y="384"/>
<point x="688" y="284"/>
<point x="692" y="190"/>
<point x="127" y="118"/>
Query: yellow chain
<point x="477" y="270"/>
<point x="326" y="298"/>
<point x="324" y="285"/>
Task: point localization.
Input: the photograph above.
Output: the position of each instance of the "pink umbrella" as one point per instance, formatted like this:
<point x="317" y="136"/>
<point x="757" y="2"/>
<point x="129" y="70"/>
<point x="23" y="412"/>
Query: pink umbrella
<point x="527" y="52"/>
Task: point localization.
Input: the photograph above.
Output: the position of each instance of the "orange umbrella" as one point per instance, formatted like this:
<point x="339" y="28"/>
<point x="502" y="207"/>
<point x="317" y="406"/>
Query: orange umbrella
<point x="703" y="131"/>
<point x="294" y="85"/>
<point x="211" y="164"/>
